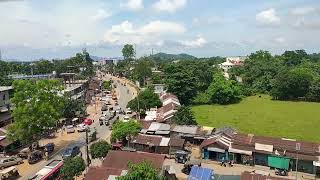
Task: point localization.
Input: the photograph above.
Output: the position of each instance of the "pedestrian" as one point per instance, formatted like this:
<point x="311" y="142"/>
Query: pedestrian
<point x="47" y="155"/>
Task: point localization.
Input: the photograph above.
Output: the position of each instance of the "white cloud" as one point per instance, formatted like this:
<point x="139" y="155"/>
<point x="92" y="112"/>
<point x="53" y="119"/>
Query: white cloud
<point x="280" y="40"/>
<point x="133" y="4"/>
<point x="101" y="14"/>
<point x="268" y="17"/>
<point x="150" y="33"/>
<point x="169" y="5"/>
<point x="197" y="43"/>
<point x="303" y="11"/>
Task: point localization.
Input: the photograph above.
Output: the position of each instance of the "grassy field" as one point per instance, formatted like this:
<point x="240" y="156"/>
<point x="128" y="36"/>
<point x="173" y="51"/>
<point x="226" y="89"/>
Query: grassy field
<point x="262" y="116"/>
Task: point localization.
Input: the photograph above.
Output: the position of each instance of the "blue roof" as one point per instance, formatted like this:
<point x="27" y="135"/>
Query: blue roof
<point x="199" y="173"/>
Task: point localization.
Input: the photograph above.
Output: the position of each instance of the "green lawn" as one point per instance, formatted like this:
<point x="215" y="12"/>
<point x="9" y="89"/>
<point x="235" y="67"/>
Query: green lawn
<point x="262" y="116"/>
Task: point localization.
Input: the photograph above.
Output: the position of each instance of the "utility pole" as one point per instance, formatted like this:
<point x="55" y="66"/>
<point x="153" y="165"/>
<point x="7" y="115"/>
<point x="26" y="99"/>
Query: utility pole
<point x="87" y="148"/>
<point x="298" y="147"/>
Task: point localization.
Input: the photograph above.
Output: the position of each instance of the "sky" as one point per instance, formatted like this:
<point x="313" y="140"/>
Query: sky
<point x="34" y="29"/>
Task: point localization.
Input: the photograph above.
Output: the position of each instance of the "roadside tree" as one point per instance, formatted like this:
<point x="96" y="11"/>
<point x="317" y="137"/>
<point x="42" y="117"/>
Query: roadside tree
<point x="147" y="99"/>
<point x="123" y="131"/>
<point x="37" y="108"/>
<point x="99" y="149"/>
<point x="141" y="171"/>
<point x="72" y="167"/>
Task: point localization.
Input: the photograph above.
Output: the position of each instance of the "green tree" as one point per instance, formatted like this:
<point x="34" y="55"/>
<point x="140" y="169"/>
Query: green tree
<point x="37" y="108"/>
<point x="293" y="58"/>
<point x="147" y="99"/>
<point x="184" y="116"/>
<point x="314" y="91"/>
<point x="122" y="130"/>
<point x="128" y="52"/>
<point x="72" y="107"/>
<point x="99" y="149"/>
<point x="106" y="85"/>
<point x="292" y="84"/>
<point x="72" y="167"/>
<point x="141" y="171"/>
<point x="222" y="91"/>
<point x="142" y="70"/>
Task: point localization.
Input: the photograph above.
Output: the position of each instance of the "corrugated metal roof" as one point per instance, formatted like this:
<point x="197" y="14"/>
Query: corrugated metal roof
<point x="185" y="129"/>
<point x="198" y="173"/>
<point x="164" y="141"/>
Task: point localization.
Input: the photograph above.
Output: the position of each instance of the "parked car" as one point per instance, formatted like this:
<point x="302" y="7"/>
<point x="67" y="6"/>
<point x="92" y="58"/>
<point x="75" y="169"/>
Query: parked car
<point x="104" y="107"/>
<point x="129" y="111"/>
<point x="10" y="161"/>
<point x="24" y="153"/>
<point x="126" y="118"/>
<point x="35" y="157"/>
<point x="82" y="127"/>
<point x="70" y="129"/>
<point x="71" y="152"/>
<point x="49" y="147"/>
<point x="87" y="121"/>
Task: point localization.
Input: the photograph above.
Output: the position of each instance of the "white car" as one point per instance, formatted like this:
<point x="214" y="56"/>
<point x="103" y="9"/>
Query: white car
<point x="70" y="129"/>
<point x="82" y="127"/>
<point x="129" y="111"/>
<point x="126" y="118"/>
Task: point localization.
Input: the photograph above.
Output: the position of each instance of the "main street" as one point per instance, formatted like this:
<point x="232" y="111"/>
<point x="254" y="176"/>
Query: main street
<point x="124" y="92"/>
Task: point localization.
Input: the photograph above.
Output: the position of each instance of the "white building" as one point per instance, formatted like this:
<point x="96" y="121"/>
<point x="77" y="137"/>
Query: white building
<point x="230" y="63"/>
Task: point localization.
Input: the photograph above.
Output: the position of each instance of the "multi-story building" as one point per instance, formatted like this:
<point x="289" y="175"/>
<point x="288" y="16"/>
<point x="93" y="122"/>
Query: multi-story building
<point x="230" y="63"/>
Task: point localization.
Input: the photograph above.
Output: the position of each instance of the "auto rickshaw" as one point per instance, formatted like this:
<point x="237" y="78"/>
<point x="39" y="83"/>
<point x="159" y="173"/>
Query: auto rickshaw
<point x="181" y="156"/>
<point x="10" y="173"/>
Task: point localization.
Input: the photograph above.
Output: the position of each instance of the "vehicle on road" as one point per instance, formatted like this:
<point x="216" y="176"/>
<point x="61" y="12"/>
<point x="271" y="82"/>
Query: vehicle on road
<point x="48" y="147"/>
<point x="71" y="152"/>
<point x="129" y="111"/>
<point x="104" y="107"/>
<point x="50" y="171"/>
<point x="82" y="127"/>
<point x="101" y="120"/>
<point x="70" y="129"/>
<point x="126" y="118"/>
<point x="181" y="156"/>
<point x="10" y="161"/>
<point x="9" y="173"/>
<point x="88" y="121"/>
<point x="35" y="157"/>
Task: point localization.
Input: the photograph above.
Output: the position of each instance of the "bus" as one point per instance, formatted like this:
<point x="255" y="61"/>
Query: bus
<point x="50" y="172"/>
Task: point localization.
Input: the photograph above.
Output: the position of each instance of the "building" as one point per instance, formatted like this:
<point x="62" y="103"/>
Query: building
<point x="6" y="93"/>
<point x="200" y="173"/>
<point x="35" y="76"/>
<point x="258" y="150"/>
<point x="230" y="63"/>
<point x="170" y="105"/>
<point x="116" y="164"/>
<point x="156" y="128"/>
<point x="254" y="175"/>
<point x="157" y="144"/>
<point x="192" y="133"/>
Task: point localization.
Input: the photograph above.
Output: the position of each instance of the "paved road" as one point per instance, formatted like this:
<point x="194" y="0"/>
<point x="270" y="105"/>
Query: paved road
<point x="125" y="94"/>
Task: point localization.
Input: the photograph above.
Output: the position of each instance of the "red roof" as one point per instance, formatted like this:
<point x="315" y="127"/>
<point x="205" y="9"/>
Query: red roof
<point x="168" y="96"/>
<point x="164" y="109"/>
<point x="120" y="159"/>
<point x="176" y="142"/>
<point x="101" y="173"/>
<point x="145" y="124"/>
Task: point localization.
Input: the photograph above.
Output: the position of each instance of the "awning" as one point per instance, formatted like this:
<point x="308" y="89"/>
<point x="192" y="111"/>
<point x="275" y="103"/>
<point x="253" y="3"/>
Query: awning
<point x="216" y="149"/>
<point x="239" y="151"/>
<point x="263" y="147"/>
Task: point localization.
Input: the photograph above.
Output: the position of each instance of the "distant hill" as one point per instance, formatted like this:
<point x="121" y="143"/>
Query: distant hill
<point x="164" y="56"/>
<point x="96" y="58"/>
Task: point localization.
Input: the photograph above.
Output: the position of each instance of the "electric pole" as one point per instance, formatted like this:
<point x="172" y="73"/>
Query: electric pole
<point x="87" y="148"/>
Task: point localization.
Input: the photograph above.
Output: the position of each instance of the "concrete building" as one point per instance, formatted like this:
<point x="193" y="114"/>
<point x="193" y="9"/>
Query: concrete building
<point x="230" y="63"/>
<point x="5" y="94"/>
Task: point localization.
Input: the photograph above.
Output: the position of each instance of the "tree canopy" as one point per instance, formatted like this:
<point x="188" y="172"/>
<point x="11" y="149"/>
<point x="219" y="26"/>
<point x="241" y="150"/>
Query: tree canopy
<point x="141" y="171"/>
<point x="122" y="130"/>
<point x="147" y="99"/>
<point x="37" y="108"/>
<point x="184" y="116"/>
<point x="128" y="52"/>
<point x="72" y="167"/>
<point x="99" y="149"/>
